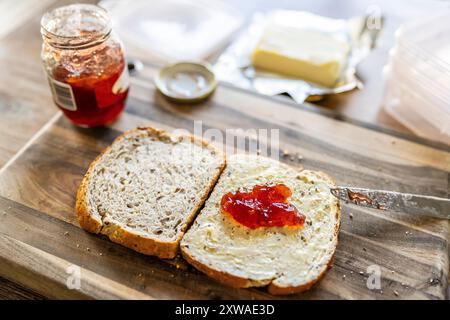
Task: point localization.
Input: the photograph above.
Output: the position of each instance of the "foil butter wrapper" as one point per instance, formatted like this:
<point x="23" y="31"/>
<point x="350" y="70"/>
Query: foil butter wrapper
<point x="234" y="65"/>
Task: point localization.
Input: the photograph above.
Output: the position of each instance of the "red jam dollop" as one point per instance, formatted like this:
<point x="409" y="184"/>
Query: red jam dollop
<point x="263" y="206"/>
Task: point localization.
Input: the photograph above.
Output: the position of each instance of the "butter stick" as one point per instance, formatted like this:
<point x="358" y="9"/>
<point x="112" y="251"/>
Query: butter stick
<point x="301" y="53"/>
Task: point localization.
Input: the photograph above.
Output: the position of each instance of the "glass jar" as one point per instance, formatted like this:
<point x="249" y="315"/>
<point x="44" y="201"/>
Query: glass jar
<point x="85" y="64"/>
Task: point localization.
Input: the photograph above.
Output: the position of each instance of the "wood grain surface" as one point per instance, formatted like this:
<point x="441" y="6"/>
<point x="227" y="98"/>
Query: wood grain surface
<point x="40" y="237"/>
<point x="25" y="101"/>
<point x="12" y="291"/>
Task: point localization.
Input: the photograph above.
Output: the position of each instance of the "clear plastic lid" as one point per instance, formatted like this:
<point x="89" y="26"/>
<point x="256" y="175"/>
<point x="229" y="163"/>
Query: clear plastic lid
<point x="174" y="29"/>
<point x="429" y="39"/>
<point x="424" y="64"/>
<point x="418" y="77"/>
<point x="402" y="91"/>
<point x="428" y="69"/>
<point x="425" y="101"/>
<point x="428" y="80"/>
<point x="402" y="105"/>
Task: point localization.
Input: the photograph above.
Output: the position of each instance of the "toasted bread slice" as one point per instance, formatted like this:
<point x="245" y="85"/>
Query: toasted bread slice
<point x="144" y="190"/>
<point x="288" y="260"/>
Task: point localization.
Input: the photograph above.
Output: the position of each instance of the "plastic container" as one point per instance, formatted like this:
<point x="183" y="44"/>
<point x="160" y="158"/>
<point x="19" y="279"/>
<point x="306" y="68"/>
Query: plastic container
<point x="419" y="70"/>
<point x="174" y="30"/>
<point x="429" y="37"/>
<point x="398" y="104"/>
<point x="437" y="98"/>
<point x="417" y="77"/>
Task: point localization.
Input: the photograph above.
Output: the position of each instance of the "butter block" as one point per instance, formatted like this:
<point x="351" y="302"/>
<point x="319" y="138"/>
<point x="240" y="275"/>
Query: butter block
<point x="301" y="53"/>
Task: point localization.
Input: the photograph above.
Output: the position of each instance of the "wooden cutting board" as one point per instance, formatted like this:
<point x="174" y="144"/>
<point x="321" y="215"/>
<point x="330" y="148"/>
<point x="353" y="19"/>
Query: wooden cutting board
<point x="40" y="240"/>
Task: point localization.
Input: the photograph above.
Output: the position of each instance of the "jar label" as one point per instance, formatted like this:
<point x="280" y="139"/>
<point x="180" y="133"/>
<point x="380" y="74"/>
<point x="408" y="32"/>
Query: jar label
<point x="63" y="94"/>
<point x="109" y="89"/>
<point x="123" y="82"/>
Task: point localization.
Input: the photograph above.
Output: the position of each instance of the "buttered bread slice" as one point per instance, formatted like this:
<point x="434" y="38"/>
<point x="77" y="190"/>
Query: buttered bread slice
<point x="144" y="190"/>
<point x="288" y="259"/>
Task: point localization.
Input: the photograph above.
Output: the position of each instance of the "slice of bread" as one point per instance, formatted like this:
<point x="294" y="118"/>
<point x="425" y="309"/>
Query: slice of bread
<point x="145" y="189"/>
<point x="288" y="260"/>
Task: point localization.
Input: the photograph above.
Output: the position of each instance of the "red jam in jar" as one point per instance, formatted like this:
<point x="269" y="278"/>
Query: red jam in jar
<point x="85" y="64"/>
<point x="263" y="206"/>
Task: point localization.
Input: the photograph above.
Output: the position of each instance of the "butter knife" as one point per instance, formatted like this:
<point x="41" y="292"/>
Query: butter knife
<point x="395" y="201"/>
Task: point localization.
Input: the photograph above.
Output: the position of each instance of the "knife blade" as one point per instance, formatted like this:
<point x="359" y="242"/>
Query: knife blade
<point x="395" y="201"/>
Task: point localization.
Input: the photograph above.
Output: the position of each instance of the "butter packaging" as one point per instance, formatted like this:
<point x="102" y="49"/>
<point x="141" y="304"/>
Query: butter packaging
<point x="298" y="53"/>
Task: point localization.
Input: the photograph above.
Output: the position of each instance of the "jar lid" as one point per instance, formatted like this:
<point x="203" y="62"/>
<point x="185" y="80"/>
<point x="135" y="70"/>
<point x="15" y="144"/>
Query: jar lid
<point x="186" y="82"/>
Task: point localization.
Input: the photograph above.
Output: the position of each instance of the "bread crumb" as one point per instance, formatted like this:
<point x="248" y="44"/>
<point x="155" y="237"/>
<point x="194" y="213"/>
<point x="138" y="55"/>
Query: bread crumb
<point x="299" y="157"/>
<point x="396" y="293"/>
<point x="351" y="216"/>
<point x="78" y="245"/>
<point x="100" y="254"/>
<point x="361" y="273"/>
<point x="285" y="152"/>
<point x="343" y="277"/>
<point x="66" y="233"/>
<point x="88" y="249"/>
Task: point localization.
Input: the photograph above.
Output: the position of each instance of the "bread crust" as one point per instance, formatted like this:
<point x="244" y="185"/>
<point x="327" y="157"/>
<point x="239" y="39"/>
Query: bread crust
<point x="220" y="276"/>
<point x="139" y="243"/>
<point x="240" y="282"/>
<point x="117" y="234"/>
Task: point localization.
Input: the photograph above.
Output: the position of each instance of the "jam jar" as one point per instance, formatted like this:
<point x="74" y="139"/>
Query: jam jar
<point x="85" y="64"/>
